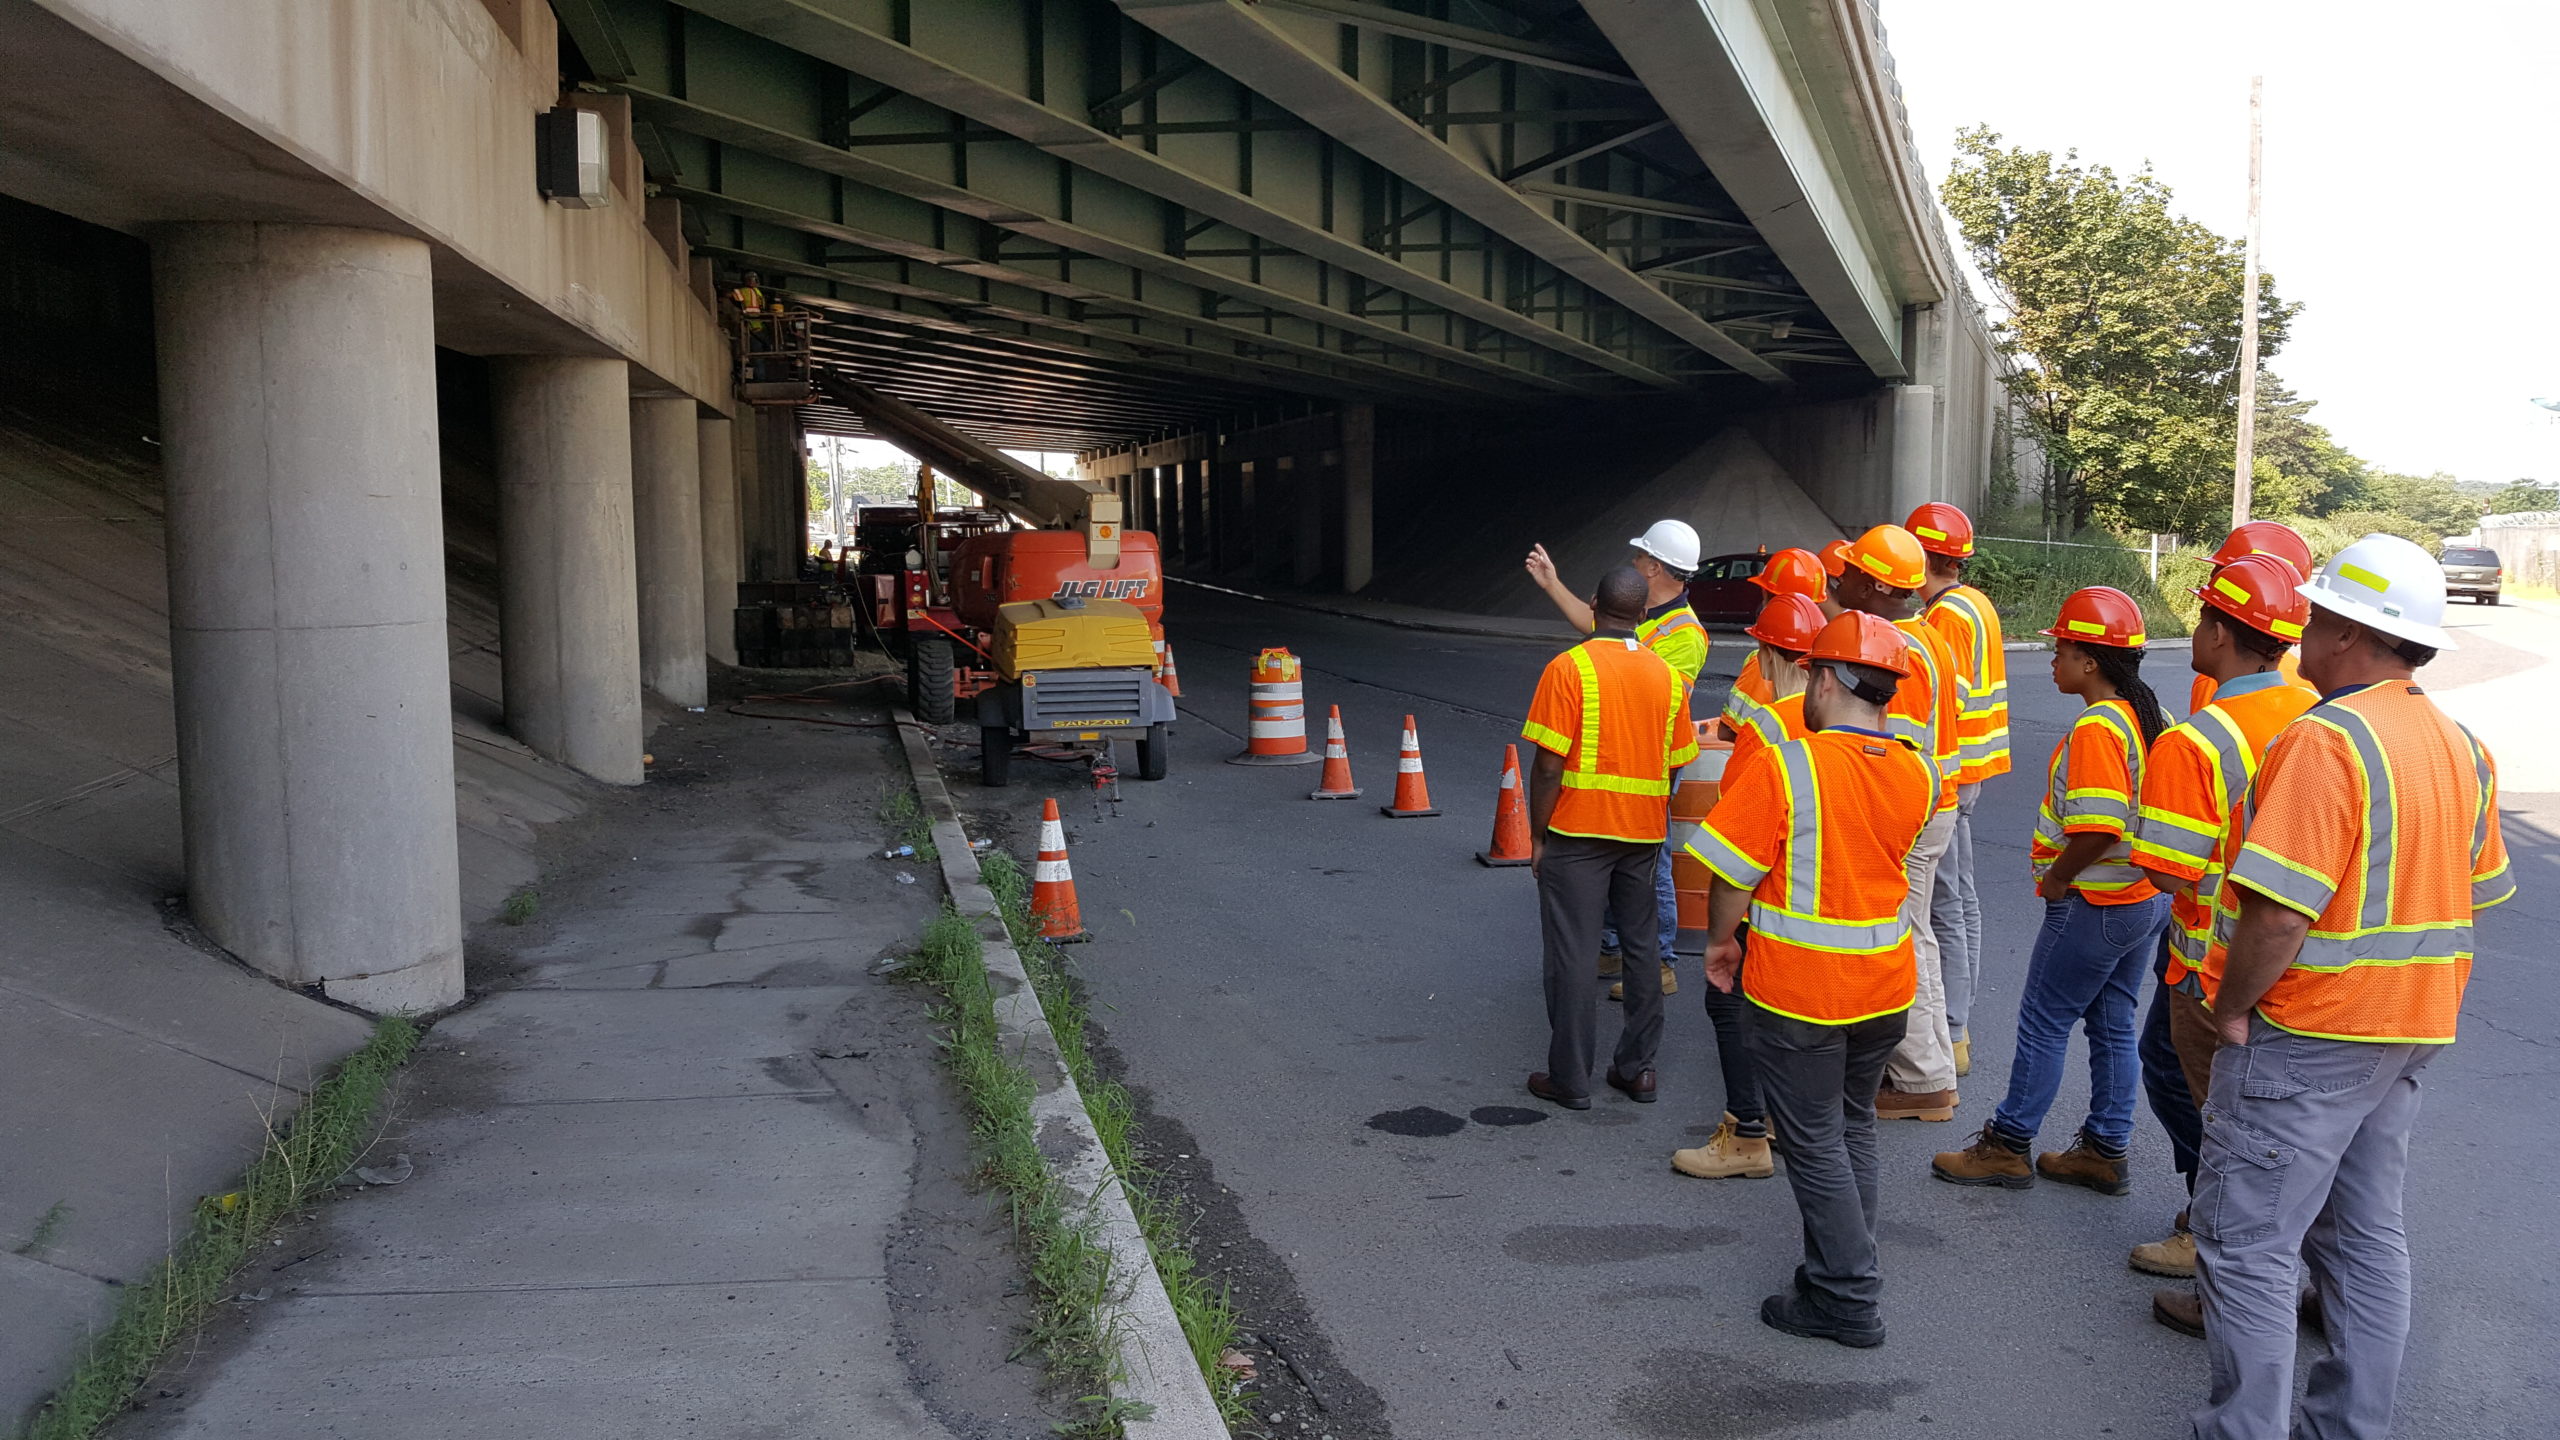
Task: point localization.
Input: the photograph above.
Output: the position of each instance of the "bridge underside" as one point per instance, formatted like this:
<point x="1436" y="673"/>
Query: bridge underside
<point x="1080" y="224"/>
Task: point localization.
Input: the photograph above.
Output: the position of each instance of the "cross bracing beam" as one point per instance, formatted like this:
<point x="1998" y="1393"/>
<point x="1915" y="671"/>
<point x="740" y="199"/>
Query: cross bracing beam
<point x="952" y="82"/>
<point x="1545" y="55"/>
<point x="1239" y="40"/>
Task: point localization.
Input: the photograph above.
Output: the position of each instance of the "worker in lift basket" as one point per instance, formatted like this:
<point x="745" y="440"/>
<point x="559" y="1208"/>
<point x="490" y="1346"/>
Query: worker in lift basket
<point x="1666" y="555"/>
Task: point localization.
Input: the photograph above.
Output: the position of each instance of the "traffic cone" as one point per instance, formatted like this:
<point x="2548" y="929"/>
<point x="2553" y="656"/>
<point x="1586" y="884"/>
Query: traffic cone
<point x="1336" y="784"/>
<point x="1510" y="817"/>
<point x="1053" y="885"/>
<point x="1172" y="676"/>
<point x="1413" y="798"/>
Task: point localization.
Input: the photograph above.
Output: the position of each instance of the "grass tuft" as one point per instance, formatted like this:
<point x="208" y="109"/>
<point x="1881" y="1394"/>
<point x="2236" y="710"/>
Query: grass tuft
<point x="1207" y="1313"/>
<point x="903" y="815"/>
<point x="299" y="1162"/>
<point x="520" y="906"/>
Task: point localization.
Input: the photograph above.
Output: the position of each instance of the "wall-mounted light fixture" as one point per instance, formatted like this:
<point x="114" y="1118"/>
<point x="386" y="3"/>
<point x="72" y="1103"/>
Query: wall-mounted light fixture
<point x="569" y="163"/>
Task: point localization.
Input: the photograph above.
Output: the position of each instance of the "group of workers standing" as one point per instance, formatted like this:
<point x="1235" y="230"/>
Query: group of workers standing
<point x="2297" y="863"/>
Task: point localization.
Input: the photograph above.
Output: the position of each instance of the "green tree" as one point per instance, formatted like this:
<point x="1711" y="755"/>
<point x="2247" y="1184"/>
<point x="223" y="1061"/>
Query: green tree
<point x="2298" y="464"/>
<point x="2127" y="317"/>
<point x="2522" y="495"/>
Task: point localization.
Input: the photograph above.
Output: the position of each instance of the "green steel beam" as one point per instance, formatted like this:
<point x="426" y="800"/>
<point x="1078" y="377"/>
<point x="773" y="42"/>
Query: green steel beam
<point x="952" y="84"/>
<point x="1544" y="55"/>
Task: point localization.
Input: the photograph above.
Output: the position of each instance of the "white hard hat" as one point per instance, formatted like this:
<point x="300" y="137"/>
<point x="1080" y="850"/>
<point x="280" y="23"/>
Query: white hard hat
<point x="1672" y="542"/>
<point x="2385" y="583"/>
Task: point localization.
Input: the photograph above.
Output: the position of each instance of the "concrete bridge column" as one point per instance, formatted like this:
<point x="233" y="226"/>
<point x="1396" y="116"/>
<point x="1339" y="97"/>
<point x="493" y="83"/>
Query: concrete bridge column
<point x="666" y="523"/>
<point x="306" y="605"/>
<point x="717" y="454"/>
<point x="1191" y="477"/>
<point x="1359" y="492"/>
<point x="1306" y="551"/>
<point x="567" y="602"/>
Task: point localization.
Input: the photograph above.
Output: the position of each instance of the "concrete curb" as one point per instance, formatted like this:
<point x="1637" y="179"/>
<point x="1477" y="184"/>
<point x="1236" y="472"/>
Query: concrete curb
<point x="1153" y="1349"/>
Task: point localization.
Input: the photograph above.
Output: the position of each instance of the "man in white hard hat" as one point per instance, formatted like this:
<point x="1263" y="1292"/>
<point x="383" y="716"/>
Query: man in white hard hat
<point x="2342" y="942"/>
<point x="1666" y="555"/>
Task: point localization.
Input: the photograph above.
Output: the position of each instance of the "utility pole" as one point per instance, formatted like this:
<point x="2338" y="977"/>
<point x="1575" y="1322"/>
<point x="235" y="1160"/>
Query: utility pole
<point x="2244" y="460"/>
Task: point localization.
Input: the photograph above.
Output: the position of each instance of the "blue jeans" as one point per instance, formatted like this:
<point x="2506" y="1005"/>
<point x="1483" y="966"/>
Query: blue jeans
<point x="2166" y="1083"/>
<point x="2086" y="970"/>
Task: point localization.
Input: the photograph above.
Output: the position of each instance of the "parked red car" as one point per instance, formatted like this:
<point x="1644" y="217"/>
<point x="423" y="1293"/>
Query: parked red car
<point x="1722" y="593"/>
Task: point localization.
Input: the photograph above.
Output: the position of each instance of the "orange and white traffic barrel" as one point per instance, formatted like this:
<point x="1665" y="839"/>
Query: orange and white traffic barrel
<point x="1276" y="722"/>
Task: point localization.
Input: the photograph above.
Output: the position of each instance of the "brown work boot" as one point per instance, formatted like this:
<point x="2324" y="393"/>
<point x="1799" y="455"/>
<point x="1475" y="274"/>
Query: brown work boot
<point x="1727" y="1156"/>
<point x="1987" y="1161"/>
<point x="2181" y="1310"/>
<point x="1611" y="962"/>
<point x="1964" y="1058"/>
<point x="2084" y="1166"/>
<point x="1670" y="985"/>
<point x="2174" y="1257"/>
<point x="1892" y="1104"/>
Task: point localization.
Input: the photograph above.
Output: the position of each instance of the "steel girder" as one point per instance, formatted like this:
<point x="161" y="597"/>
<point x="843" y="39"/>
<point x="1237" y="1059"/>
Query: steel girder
<point x="1240" y="40"/>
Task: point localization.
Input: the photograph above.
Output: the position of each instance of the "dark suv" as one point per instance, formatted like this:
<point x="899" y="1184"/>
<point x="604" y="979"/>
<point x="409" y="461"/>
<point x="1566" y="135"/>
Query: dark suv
<point x="2470" y="570"/>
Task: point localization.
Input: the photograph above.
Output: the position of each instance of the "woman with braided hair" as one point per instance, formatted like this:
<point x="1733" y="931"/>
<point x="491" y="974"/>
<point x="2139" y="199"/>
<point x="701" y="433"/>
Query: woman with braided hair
<point x="2102" y="915"/>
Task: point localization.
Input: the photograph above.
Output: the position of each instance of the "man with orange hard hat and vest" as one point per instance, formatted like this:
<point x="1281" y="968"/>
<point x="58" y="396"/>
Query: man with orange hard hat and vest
<point x="1611" y="723"/>
<point x="1883" y="574"/>
<point x="1971" y="625"/>
<point x="1792" y="571"/>
<point x="1806" y="843"/>
<point x="2186" y="833"/>
<point x="2275" y="540"/>
<point x="1666" y="555"/>
<point x="2342" y="945"/>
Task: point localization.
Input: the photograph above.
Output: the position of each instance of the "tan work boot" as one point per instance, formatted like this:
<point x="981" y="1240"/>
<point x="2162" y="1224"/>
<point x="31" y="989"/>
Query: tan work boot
<point x="1987" y="1161"/>
<point x="1670" y="985"/>
<point x="2174" y="1257"/>
<point x="1892" y="1104"/>
<point x="1611" y="962"/>
<point x="1964" y="1058"/>
<point x="2082" y="1165"/>
<point x="1727" y="1156"/>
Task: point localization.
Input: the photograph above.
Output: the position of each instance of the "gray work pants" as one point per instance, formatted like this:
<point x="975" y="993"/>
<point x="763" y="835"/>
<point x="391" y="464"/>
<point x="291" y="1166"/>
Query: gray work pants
<point x="1925" y="1061"/>
<point x="1955" y="916"/>
<point x="1818" y="1083"/>
<point x="2306" y="1143"/>
<point x="1577" y="880"/>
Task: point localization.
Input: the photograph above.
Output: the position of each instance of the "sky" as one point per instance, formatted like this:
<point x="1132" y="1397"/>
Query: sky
<point x="2409" y="185"/>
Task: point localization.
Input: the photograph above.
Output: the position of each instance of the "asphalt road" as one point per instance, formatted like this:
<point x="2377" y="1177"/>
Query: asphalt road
<point x="1283" y="977"/>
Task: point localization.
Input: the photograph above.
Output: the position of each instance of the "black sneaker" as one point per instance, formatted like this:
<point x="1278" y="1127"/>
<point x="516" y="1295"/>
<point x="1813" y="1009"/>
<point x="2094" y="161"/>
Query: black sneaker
<point x="1796" y="1315"/>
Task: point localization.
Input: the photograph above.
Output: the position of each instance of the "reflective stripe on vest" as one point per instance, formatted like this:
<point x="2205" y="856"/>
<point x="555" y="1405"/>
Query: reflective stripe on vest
<point x="2235" y="768"/>
<point x="2113" y="871"/>
<point x="1800" y="921"/>
<point x="1923" y="736"/>
<point x="1584" y="771"/>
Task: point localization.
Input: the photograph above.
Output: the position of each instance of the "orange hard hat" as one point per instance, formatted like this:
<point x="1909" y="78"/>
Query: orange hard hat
<point x="1942" y="529"/>
<point x="1863" y="639"/>
<point x="2260" y="592"/>
<point x="1788" y="622"/>
<point x="1794" y="571"/>
<point x="2268" y="537"/>
<point x="2099" y="615"/>
<point x="1890" y="555"/>
<point x="1835" y="558"/>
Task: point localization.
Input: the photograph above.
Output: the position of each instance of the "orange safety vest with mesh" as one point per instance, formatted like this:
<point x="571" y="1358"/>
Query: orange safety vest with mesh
<point x="1817" y="830"/>
<point x="1927" y="704"/>
<point x="2200" y="691"/>
<point x="2090" y="789"/>
<point x="2193" y="784"/>
<point x="1620" y="718"/>
<point x="1751" y="690"/>
<point x="2377" y="816"/>
<point x="1777" y="722"/>
<point x="1971" y="625"/>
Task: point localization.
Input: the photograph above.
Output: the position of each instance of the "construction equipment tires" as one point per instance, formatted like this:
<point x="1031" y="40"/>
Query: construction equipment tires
<point x="1155" y="751"/>
<point x="929" y="679"/>
<point x="995" y="756"/>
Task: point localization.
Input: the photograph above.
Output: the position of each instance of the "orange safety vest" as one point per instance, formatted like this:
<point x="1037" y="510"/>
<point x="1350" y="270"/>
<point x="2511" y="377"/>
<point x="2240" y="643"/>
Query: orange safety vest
<point x="2193" y="784"/>
<point x="2377" y="816"/>
<point x="2089" y="789"/>
<point x="1927" y="705"/>
<point x="1817" y="831"/>
<point x="1971" y="625"/>
<point x="2288" y="665"/>
<point x="1777" y="722"/>
<point x="1750" y="691"/>
<point x="1620" y="718"/>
